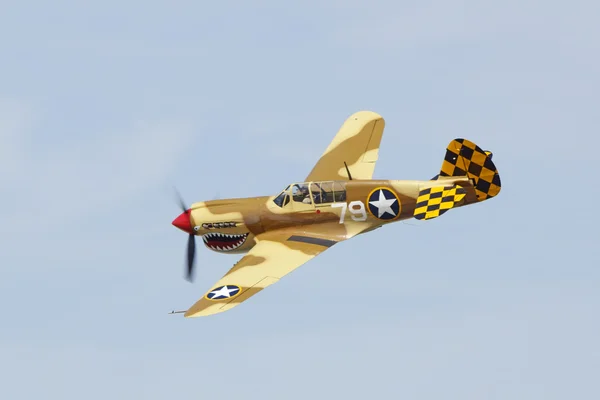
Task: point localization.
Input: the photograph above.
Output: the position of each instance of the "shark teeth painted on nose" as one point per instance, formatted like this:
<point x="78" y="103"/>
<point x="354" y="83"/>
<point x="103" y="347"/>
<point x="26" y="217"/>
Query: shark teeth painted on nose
<point x="224" y="241"/>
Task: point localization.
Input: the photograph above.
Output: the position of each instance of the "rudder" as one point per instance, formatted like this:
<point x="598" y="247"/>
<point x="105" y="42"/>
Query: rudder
<point x="465" y="158"/>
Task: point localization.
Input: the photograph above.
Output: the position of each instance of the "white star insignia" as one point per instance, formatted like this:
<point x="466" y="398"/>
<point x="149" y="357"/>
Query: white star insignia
<point x="383" y="205"/>
<point x="223" y="292"/>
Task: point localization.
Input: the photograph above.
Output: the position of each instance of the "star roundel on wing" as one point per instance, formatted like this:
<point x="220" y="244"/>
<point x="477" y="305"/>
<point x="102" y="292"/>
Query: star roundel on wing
<point x="384" y="204"/>
<point x="224" y="292"/>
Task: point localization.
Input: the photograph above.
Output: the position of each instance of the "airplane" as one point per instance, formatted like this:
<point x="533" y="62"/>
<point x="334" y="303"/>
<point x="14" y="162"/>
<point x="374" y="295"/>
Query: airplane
<point x="337" y="201"/>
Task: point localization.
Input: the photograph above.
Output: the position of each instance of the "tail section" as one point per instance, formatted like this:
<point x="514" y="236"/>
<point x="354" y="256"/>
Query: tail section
<point x="465" y="158"/>
<point x="435" y="201"/>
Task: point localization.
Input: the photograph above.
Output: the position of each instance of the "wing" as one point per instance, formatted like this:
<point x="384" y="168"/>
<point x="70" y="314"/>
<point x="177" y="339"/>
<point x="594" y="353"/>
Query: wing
<point x="357" y="144"/>
<point x="275" y="255"/>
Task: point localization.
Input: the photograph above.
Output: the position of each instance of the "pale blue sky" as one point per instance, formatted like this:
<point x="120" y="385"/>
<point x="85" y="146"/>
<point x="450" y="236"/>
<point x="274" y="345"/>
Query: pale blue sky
<point x="105" y="105"/>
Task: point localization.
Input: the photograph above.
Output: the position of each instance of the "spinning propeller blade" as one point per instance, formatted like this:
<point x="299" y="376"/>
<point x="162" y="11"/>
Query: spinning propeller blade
<point x="191" y="252"/>
<point x="183" y="222"/>
<point x="180" y="200"/>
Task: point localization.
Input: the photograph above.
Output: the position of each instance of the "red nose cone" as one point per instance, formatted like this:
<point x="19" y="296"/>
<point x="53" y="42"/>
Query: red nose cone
<point x="183" y="222"/>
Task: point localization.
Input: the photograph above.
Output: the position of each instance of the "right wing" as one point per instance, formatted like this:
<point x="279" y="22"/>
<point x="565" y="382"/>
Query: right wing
<point x="356" y="143"/>
<point x="276" y="254"/>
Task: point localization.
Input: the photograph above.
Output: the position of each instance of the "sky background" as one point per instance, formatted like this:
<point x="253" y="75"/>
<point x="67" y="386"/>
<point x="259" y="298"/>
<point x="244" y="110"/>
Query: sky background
<point x="104" y="106"/>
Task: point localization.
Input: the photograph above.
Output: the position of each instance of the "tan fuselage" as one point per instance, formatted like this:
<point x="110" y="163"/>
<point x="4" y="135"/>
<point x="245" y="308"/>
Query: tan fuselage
<point x="230" y="226"/>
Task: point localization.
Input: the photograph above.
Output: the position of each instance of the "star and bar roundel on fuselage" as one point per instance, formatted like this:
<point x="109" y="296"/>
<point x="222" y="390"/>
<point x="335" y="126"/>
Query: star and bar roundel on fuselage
<point x="383" y="203"/>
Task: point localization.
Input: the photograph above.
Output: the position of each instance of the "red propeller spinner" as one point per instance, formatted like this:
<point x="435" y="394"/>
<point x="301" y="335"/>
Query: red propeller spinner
<point x="183" y="222"/>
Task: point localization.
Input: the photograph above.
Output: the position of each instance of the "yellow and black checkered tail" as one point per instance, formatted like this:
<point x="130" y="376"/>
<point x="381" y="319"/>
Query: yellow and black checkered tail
<point x="465" y="158"/>
<point x="435" y="201"/>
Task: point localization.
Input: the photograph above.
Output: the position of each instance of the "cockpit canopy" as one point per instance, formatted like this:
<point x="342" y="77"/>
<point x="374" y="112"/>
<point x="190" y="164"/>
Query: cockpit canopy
<point x="316" y="193"/>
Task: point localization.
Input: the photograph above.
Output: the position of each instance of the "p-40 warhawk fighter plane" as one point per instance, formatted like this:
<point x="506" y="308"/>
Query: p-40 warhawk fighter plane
<point x="337" y="201"/>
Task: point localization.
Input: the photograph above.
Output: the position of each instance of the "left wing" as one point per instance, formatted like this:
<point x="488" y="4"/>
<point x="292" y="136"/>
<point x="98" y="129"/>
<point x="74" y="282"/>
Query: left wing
<point x="356" y="143"/>
<point x="275" y="255"/>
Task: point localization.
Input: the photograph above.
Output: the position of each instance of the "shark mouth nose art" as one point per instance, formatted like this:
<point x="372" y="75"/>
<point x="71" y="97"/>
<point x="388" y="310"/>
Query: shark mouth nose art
<point x="224" y="241"/>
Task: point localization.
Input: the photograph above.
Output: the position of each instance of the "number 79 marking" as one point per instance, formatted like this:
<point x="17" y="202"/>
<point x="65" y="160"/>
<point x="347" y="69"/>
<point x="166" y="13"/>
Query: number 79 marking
<point x="358" y="215"/>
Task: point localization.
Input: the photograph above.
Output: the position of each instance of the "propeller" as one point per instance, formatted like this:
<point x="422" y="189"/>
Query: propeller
<point x="184" y="223"/>
<point x="191" y="253"/>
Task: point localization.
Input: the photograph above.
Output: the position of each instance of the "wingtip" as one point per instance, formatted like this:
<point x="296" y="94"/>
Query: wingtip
<point x="366" y="114"/>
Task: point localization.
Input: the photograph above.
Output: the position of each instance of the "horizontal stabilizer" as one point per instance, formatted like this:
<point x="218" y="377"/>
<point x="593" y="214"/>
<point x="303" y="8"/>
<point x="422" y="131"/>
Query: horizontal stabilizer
<point x="435" y="201"/>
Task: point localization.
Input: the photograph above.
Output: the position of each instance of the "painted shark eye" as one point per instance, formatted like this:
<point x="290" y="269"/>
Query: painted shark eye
<point x="196" y="228"/>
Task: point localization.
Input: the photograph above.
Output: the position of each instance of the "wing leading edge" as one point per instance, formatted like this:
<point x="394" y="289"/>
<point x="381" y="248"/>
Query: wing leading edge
<point x="356" y="143"/>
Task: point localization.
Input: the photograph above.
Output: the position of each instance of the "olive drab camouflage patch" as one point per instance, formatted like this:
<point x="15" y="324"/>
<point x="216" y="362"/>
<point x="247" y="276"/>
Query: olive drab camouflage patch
<point x="338" y="200"/>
